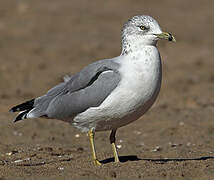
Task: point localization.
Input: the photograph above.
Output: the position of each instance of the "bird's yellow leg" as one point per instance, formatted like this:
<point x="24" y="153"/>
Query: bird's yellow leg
<point x="91" y="138"/>
<point x="114" y="148"/>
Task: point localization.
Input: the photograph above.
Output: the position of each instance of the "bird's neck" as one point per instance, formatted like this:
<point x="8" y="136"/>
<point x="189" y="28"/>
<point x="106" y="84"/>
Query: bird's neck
<point x="133" y="44"/>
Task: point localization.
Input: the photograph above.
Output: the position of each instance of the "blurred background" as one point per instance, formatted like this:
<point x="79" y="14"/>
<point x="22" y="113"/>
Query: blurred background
<point x="41" y="41"/>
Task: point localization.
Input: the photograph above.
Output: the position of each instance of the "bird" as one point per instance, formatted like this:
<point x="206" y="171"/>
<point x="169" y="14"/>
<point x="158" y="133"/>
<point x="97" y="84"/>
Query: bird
<point x="109" y="93"/>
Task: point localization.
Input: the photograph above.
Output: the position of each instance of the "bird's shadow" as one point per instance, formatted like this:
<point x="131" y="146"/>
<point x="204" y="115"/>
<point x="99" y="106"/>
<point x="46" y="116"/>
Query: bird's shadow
<point x="122" y="159"/>
<point x="164" y="160"/>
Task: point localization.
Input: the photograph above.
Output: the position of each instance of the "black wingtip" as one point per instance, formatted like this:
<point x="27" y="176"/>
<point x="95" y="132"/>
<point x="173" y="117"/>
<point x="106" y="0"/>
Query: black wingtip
<point x="14" y="109"/>
<point x="15" y="120"/>
<point x="21" y="116"/>
<point x="23" y="106"/>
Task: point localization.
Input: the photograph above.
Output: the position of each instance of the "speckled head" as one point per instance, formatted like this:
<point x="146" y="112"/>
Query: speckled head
<point x="142" y="30"/>
<point x="141" y="25"/>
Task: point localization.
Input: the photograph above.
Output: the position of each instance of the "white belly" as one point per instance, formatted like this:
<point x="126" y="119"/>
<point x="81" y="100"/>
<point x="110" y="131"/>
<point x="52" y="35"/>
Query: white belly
<point x="135" y="94"/>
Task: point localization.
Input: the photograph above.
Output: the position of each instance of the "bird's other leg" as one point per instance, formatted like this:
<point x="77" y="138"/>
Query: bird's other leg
<point x="91" y="134"/>
<point x="114" y="148"/>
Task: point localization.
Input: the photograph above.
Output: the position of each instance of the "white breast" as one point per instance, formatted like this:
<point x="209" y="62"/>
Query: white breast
<point x="136" y="92"/>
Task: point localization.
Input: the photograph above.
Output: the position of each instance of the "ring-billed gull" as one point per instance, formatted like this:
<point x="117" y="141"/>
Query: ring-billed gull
<point x="109" y="93"/>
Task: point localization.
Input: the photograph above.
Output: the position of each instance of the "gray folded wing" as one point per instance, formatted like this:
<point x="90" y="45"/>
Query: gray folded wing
<point x="88" y="88"/>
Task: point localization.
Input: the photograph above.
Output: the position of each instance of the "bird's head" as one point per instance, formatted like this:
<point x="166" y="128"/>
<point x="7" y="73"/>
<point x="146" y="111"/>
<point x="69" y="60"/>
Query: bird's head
<point x="143" y="30"/>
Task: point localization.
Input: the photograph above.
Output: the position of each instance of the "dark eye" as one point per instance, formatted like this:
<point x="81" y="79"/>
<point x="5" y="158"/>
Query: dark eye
<point x="142" y="27"/>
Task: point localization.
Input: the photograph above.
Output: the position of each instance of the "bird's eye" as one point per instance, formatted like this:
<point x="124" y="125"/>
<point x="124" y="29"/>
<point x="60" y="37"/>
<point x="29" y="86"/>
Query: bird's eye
<point x="142" y="27"/>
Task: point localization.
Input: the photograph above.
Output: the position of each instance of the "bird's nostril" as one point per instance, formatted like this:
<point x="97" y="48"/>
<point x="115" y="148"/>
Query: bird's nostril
<point x="170" y="37"/>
